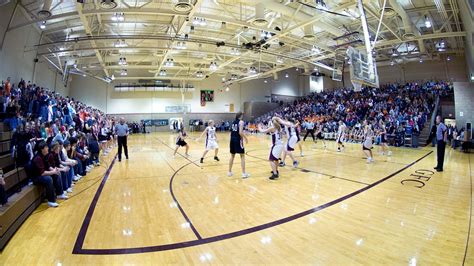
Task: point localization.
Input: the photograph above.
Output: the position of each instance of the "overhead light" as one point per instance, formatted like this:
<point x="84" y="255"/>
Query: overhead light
<point x="112" y="77"/>
<point x="321" y="5"/>
<point x="74" y="65"/>
<point x="181" y="45"/>
<point x="213" y="66"/>
<point x="118" y="17"/>
<point x="162" y="72"/>
<point x="472" y="77"/>
<point x="120" y="44"/>
<point x="223" y="78"/>
<point x="122" y="61"/>
<point x="286" y="75"/>
<point x="427" y="22"/>
<point x="421" y="60"/>
<point x="297" y="69"/>
<point x="279" y="60"/>
<point x="169" y="62"/>
<point x="233" y="77"/>
<point x="235" y="51"/>
<point x="199" y="74"/>
<point x="43" y="25"/>
<point x="394" y="52"/>
<point x="227" y="89"/>
<point x="123" y="72"/>
<point x="449" y="58"/>
<point x="253" y="70"/>
<point x="315" y="49"/>
<point x="265" y="81"/>
<point x="392" y="63"/>
<point x="199" y="21"/>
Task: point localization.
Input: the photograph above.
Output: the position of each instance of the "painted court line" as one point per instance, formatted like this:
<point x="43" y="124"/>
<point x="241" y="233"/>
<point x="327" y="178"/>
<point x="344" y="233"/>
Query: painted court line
<point x="78" y="247"/>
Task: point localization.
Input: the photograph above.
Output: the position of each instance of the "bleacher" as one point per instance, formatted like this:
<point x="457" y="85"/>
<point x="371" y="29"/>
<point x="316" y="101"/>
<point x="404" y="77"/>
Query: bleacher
<point x="23" y="198"/>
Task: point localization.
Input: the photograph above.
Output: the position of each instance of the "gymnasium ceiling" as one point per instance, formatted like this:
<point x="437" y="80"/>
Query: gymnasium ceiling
<point x="152" y="34"/>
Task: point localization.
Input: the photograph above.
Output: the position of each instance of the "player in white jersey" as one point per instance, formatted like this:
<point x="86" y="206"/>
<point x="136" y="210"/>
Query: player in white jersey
<point x="341" y="134"/>
<point x="277" y="145"/>
<point x="211" y="141"/>
<point x="319" y="133"/>
<point x="293" y="139"/>
<point x="367" y="144"/>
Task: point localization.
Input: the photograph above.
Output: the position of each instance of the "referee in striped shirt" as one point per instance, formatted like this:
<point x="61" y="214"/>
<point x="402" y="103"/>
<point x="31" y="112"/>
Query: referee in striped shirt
<point x="121" y="130"/>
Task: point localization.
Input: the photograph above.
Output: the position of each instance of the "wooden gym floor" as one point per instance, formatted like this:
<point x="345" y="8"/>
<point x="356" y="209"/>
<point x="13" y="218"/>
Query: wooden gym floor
<point x="335" y="209"/>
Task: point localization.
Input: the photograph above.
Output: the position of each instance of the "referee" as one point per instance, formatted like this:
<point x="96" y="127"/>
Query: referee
<point x="121" y="130"/>
<point x="309" y="125"/>
<point x="441" y="138"/>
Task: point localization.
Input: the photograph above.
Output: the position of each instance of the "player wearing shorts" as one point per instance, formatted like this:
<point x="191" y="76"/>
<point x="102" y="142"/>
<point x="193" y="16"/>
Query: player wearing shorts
<point x="237" y="137"/>
<point x="277" y="145"/>
<point x="341" y="133"/>
<point x="319" y="133"/>
<point x="298" y="135"/>
<point x="292" y="134"/>
<point x="367" y="144"/>
<point x="211" y="141"/>
<point x="180" y="141"/>
<point x="383" y="139"/>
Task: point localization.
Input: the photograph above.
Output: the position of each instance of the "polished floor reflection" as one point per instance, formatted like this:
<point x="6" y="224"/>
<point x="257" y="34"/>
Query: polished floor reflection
<point x="333" y="209"/>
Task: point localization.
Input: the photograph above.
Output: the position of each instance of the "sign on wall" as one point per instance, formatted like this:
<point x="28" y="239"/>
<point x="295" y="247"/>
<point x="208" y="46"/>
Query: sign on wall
<point x="178" y="109"/>
<point x="206" y="96"/>
<point x="156" y="122"/>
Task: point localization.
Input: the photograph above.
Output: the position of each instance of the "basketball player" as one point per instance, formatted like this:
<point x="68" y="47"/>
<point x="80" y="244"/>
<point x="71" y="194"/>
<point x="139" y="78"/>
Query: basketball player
<point x="293" y="139"/>
<point x="277" y="145"/>
<point x="180" y="141"/>
<point x="236" y="144"/>
<point x="383" y="139"/>
<point x="298" y="134"/>
<point x="211" y="141"/>
<point x="341" y="133"/>
<point x="319" y="133"/>
<point x="368" y="142"/>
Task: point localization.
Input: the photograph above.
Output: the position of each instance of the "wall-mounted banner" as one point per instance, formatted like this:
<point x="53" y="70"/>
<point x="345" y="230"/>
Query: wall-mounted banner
<point x="206" y="96"/>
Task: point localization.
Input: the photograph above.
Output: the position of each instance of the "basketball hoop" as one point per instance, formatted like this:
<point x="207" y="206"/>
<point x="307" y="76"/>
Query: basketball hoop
<point x="357" y="85"/>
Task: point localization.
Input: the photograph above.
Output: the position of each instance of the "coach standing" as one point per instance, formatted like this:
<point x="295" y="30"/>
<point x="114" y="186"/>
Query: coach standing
<point x="121" y="130"/>
<point x="441" y="138"/>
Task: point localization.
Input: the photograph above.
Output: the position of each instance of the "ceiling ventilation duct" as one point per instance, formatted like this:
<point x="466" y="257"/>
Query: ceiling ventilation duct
<point x="308" y="33"/>
<point x="183" y="6"/>
<point x="108" y="4"/>
<point x="260" y="19"/>
<point x="45" y="9"/>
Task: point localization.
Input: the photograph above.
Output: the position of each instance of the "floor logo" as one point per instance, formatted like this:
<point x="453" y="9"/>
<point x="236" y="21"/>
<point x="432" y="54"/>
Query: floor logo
<point x="418" y="179"/>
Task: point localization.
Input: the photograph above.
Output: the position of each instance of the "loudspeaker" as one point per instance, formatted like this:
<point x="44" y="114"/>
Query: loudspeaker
<point x="35" y="60"/>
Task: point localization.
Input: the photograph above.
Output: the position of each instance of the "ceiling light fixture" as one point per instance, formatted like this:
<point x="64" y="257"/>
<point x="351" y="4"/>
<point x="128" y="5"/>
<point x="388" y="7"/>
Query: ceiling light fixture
<point x="199" y="21"/>
<point x="265" y="81"/>
<point x="123" y="72"/>
<point x="392" y="63"/>
<point x="449" y="58"/>
<point x="118" y="17"/>
<point x="120" y="44"/>
<point x="122" y="61"/>
<point x="421" y="60"/>
<point x="287" y="75"/>
<point x="169" y="62"/>
<point x="233" y="77"/>
<point x="162" y="72"/>
<point x="253" y="70"/>
<point x="279" y="60"/>
<point x="181" y="45"/>
<point x="427" y="22"/>
<point x="315" y="49"/>
<point x="43" y="25"/>
<point x="213" y="66"/>
<point x="235" y="51"/>
<point x="199" y="74"/>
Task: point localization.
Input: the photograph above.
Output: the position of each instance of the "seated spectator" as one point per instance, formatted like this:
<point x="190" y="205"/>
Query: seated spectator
<point x="45" y="175"/>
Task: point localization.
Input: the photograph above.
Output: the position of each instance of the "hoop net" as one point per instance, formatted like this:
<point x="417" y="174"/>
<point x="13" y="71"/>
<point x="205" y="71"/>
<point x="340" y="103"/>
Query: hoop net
<point x="357" y="85"/>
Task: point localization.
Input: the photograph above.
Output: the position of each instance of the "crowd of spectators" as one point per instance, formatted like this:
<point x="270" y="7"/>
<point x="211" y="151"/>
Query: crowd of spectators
<point x="57" y="139"/>
<point x="403" y="108"/>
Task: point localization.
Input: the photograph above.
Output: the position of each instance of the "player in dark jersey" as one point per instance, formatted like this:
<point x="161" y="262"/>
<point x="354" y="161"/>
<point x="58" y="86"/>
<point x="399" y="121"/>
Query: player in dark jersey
<point x="237" y="137"/>
<point x="180" y="141"/>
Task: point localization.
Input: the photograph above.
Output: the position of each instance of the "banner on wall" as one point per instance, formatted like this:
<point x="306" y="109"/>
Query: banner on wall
<point x="206" y="96"/>
<point x="178" y="109"/>
<point x="156" y="122"/>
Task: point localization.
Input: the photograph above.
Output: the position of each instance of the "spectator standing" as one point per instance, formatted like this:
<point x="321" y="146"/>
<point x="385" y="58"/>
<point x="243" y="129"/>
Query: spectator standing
<point x="121" y="130"/>
<point x="441" y="138"/>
